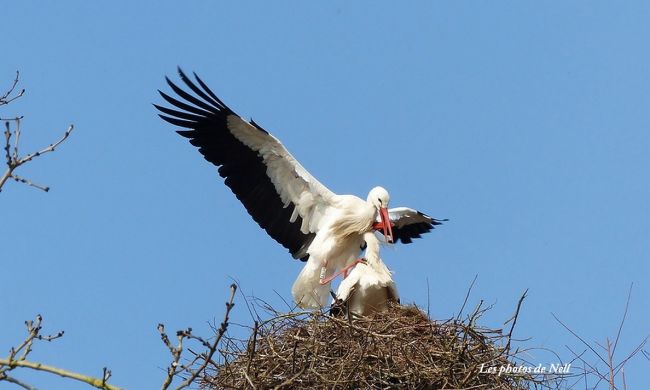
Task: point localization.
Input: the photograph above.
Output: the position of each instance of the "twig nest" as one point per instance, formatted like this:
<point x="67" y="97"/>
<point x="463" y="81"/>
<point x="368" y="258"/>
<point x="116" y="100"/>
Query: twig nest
<point x="397" y="349"/>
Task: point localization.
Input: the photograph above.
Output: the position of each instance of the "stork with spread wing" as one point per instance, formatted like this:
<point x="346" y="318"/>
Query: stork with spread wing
<point x="296" y="210"/>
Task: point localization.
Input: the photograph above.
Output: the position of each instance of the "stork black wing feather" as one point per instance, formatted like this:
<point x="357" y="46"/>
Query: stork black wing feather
<point x="204" y="119"/>
<point x="179" y="114"/>
<point x="406" y="231"/>
<point x="191" y="98"/>
<point x="183" y="106"/>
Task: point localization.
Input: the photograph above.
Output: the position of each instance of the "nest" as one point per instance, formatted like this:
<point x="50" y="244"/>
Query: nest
<point x="397" y="349"/>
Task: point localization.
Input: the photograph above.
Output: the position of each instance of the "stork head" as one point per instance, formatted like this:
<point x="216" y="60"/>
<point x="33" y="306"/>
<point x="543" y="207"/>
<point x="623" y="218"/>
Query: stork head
<point x="379" y="198"/>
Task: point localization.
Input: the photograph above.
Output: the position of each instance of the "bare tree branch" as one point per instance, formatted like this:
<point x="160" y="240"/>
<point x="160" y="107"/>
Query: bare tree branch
<point x="12" y="157"/>
<point x="514" y="319"/>
<point x="7" y="98"/>
<point x="17" y="382"/>
<point x="48" y="149"/>
<point x="176" y="368"/>
<point x="18" y="355"/>
<point x="469" y="291"/>
<point x="620" y="327"/>
<point x="30" y="183"/>
<point x="613" y="369"/>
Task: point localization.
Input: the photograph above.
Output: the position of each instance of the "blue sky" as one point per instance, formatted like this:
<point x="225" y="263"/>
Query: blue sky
<point x="525" y="123"/>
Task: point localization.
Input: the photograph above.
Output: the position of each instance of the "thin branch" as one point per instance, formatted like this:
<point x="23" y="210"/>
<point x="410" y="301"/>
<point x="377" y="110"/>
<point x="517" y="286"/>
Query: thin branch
<point x="469" y="290"/>
<point x="636" y="350"/>
<point x="610" y="365"/>
<point x="17" y="358"/>
<point x="248" y="379"/>
<point x="172" y="370"/>
<point x="514" y="319"/>
<point x="5" y="99"/>
<point x="609" y="348"/>
<point x="17" y="138"/>
<point x="7" y="133"/>
<point x="579" y="338"/>
<point x="620" y="327"/>
<point x="252" y="346"/>
<point x="222" y="330"/>
<point x="176" y="368"/>
<point x="624" y="384"/>
<point x="48" y="149"/>
<point x="428" y="299"/>
<point x="5" y="176"/>
<point x="290" y="380"/>
<point x="593" y="369"/>
<point x="13" y="160"/>
<point x="30" y="183"/>
<point x="106" y="376"/>
<point x="95" y="382"/>
<point x="17" y="382"/>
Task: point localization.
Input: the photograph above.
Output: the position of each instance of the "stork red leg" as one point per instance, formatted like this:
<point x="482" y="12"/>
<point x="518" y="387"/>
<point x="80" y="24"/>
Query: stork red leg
<point x="345" y="270"/>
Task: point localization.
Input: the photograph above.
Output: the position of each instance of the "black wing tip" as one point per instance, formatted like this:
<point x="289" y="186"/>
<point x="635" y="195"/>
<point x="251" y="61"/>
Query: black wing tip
<point x="436" y="222"/>
<point x="433" y="221"/>
<point x="184" y="77"/>
<point x="169" y="82"/>
<point x="166" y="118"/>
<point x="180" y="73"/>
<point x="185" y="133"/>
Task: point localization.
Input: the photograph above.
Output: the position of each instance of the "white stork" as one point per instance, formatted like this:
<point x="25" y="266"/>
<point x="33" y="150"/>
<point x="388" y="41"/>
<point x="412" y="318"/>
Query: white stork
<point x="313" y="223"/>
<point x="369" y="287"/>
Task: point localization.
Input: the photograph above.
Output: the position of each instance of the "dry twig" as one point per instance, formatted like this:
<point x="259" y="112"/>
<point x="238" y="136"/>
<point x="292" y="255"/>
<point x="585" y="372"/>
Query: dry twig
<point x="189" y="370"/>
<point x="13" y="160"/>
<point x="613" y="369"/>
<point x="17" y="358"/>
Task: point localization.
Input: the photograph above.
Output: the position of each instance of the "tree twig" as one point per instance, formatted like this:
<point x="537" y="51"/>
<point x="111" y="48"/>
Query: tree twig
<point x="99" y="383"/>
<point x="17" y="382"/>
<point x="17" y="358"/>
<point x="469" y="290"/>
<point x="222" y="330"/>
<point x="620" y="327"/>
<point x="6" y="99"/>
<point x="514" y="319"/>
<point x="48" y="149"/>
<point x="12" y="157"/>
<point x="176" y="368"/>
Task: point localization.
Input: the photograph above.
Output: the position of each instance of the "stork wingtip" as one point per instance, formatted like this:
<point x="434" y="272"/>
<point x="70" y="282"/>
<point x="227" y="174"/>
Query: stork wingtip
<point x="169" y="82"/>
<point x="182" y="74"/>
<point x="437" y="222"/>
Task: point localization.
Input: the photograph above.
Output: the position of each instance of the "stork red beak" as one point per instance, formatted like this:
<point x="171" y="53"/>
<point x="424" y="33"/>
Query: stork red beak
<point x="386" y="225"/>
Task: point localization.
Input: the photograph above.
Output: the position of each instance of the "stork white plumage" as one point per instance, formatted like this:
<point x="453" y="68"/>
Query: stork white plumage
<point x="369" y="288"/>
<point x="313" y="223"/>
